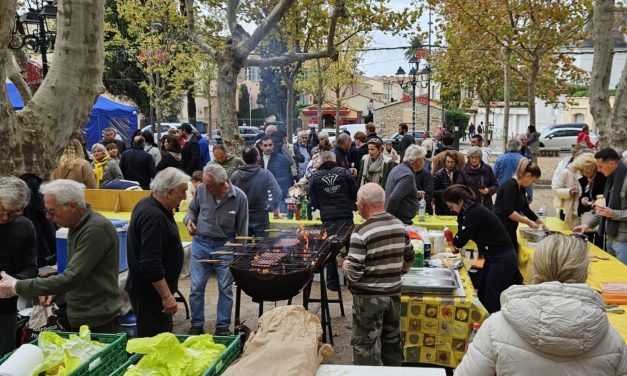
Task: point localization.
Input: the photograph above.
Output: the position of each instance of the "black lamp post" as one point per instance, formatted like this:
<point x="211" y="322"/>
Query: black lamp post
<point x="36" y="30"/>
<point x="413" y="80"/>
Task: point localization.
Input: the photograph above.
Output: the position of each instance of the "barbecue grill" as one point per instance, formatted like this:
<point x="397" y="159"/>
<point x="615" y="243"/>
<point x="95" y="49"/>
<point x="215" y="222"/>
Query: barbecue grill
<point x="279" y="266"/>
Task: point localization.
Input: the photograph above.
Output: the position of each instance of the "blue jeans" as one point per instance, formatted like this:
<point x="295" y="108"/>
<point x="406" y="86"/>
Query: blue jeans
<point x="617" y="249"/>
<point x="203" y="248"/>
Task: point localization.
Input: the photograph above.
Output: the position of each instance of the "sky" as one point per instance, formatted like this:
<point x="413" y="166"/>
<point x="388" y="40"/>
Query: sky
<point x="385" y="63"/>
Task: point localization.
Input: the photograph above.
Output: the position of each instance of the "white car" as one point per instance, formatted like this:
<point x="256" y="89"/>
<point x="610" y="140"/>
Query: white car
<point x="562" y="138"/>
<point x="164" y="129"/>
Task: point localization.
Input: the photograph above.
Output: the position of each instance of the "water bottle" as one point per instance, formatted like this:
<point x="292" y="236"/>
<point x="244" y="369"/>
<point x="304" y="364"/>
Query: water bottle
<point x="422" y="208"/>
<point x="475" y="329"/>
<point x="542" y="213"/>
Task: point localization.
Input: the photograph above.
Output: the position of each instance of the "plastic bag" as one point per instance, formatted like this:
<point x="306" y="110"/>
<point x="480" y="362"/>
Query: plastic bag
<point x="62" y="356"/>
<point x="165" y="355"/>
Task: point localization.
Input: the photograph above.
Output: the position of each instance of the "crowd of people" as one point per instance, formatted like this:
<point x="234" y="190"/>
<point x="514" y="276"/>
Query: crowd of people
<point x="229" y="196"/>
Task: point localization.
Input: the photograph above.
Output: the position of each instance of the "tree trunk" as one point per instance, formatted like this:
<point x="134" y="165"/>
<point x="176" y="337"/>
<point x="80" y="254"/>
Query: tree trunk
<point x="320" y="97"/>
<point x="507" y="54"/>
<point x="227" y="98"/>
<point x="486" y="122"/>
<point x="289" y="108"/>
<point x="209" y="110"/>
<point x="532" y="83"/>
<point x="603" y="36"/>
<point x="191" y="104"/>
<point x="338" y="105"/>
<point x="34" y="137"/>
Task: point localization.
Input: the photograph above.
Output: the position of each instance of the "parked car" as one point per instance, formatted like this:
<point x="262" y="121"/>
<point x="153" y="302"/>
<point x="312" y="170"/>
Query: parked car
<point x="564" y="125"/>
<point x="164" y="129"/>
<point x="353" y="128"/>
<point x="249" y="134"/>
<point x="397" y="137"/>
<point x="562" y="138"/>
<point x="329" y="131"/>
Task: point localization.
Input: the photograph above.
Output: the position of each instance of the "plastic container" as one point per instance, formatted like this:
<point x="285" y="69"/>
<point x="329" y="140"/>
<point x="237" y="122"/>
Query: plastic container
<point x="475" y="329"/>
<point x="62" y="233"/>
<point x="600" y="201"/>
<point x="230" y="354"/>
<point x="418" y="245"/>
<point x="104" y="362"/>
<point x="542" y="213"/>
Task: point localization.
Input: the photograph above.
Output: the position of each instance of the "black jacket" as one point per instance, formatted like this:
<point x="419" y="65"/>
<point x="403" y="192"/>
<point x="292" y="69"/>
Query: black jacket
<point x="374" y="136"/>
<point x="598" y="187"/>
<point x="262" y="190"/>
<point x="18" y="255"/>
<point x="341" y="157"/>
<point x="154" y="250"/>
<point x="279" y="166"/>
<point x="359" y="154"/>
<point x="477" y="223"/>
<point x="334" y="191"/>
<point x="169" y="160"/>
<point x="406" y="142"/>
<point x="192" y="160"/>
<point x="120" y="144"/>
<point x="441" y="181"/>
<point x="138" y="165"/>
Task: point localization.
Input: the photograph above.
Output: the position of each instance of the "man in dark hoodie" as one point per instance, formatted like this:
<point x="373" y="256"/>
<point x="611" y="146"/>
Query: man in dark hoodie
<point x="251" y="179"/>
<point x="333" y="191"/>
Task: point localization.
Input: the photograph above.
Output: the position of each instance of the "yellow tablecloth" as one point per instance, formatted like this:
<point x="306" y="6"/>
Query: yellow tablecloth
<point x="436" y="328"/>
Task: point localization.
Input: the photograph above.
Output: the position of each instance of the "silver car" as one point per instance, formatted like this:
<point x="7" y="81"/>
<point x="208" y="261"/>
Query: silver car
<point x="562" y="138"/>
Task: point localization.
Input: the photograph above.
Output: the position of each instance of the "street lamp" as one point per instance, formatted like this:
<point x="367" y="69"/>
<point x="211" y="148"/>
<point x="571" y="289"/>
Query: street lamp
<point x="36" y="30"/>
<point x="414" y="79"/>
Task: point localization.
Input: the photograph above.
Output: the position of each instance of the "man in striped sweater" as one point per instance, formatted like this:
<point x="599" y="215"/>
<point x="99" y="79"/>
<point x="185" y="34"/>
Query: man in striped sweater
<point x="380" y="252"/>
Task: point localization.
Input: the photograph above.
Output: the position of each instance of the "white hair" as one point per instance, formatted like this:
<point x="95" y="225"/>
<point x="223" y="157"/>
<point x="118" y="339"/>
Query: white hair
<point x="65" y="191"/>
<point x="303" y="133"/>
<point x="323" y="134"/>
<point x="413" y="153"/>
<point x="371" y="193"/>
<point x="100" y="147"/>
<point x="14" y="193"/>
<point x="168" y="179"/>
<point x="327" y="156"/>
<point x="216" y="172"/>
<point x="474" y="151"/>
<point x="513" y="145"/>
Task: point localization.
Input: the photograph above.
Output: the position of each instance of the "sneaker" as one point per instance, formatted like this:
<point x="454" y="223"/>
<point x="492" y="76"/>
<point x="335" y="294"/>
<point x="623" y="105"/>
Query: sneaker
<point x="220" y="332"/>
<point x="196" y="330"/>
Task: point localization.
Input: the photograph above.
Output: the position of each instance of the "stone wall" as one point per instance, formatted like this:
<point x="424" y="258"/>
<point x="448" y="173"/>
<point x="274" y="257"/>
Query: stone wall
<point x="389" y="117"/>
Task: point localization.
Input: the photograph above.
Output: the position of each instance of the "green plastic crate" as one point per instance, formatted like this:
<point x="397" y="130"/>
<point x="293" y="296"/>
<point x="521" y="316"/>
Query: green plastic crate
<point x="230" y="354"/>
<point x="105" y="361"/>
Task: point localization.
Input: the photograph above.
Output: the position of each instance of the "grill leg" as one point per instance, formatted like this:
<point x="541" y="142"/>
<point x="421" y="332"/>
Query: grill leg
<point x="327" y="329"/>
<point x="238" y="298"/>
<point x="339" y="297"/>
<point x="306" y="293"/>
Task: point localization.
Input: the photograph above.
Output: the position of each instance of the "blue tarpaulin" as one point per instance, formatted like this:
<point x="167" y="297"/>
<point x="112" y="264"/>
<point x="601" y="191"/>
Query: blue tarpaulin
<point x="105" y="113"/>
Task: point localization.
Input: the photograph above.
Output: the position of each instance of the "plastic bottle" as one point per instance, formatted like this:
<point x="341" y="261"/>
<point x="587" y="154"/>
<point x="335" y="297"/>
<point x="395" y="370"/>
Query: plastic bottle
<point x="600" y="201"/>
<point x="303" y="207"/>
<point x="542" y="213"/>
<point x="422" y="208"/>
<point x="418" y="245"/>
<point x="475" y="329"/>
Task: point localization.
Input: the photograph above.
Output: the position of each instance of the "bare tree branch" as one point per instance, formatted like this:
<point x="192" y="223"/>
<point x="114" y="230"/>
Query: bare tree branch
<point x="191" y="27"/>
<point x="264" y="27"/>
<point x="231" y="15"/>
<point x="287" y="58"/>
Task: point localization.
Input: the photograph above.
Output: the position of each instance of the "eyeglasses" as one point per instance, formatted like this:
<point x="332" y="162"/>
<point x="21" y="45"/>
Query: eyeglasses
<point x="51" y="212"/>
<point x="10" y="214"/>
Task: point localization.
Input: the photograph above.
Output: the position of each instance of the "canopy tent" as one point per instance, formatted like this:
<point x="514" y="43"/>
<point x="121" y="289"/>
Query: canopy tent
<point x="105" y="113"/>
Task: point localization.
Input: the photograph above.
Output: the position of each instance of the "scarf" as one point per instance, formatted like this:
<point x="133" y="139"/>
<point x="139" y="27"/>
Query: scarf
<point x="99" y="169"/>
<point x="613" y="187"/>
<point x="373" y="170"/>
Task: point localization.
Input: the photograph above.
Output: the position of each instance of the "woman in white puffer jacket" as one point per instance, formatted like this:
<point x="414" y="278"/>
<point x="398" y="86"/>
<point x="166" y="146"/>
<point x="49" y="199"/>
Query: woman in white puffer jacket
<point x="556" y="326"/>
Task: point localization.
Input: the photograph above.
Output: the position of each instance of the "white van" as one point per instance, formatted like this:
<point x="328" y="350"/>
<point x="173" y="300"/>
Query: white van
<point x="353" y="128"/>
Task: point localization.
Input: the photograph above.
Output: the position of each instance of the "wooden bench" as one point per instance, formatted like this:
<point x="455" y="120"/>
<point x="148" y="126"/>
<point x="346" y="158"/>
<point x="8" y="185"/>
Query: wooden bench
<point x="550" y="152"/>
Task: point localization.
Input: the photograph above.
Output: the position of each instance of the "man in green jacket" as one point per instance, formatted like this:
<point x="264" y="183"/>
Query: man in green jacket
<point x="90" y="281"/>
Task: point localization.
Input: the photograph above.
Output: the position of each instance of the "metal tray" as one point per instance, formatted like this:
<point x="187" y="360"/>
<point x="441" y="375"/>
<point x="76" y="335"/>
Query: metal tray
<point x="532" y="235"/>
<point x="413" y="284"/>
<point x="432" y="273"/>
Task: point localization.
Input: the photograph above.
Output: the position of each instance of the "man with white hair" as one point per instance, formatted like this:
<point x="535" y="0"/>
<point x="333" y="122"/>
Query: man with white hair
<point x="217" y="214"/>
<point x="380" y="251"/>
<point x="155" y="253"/>
<point x="18" y="251"/>
<point x="302" y="152"/>
<point x="400" y="188"/>
<point x="90" y="280"/>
